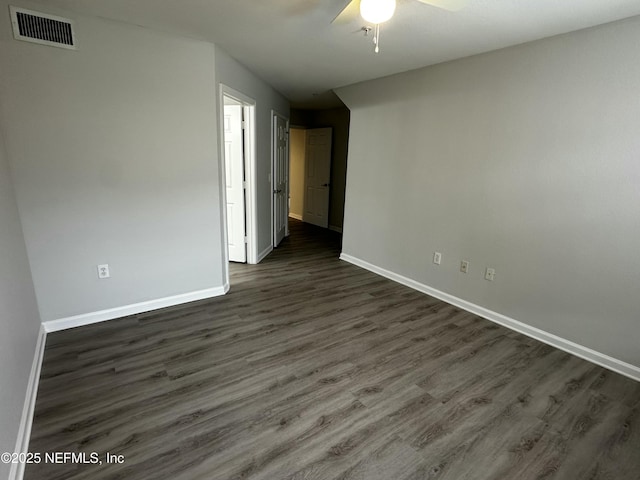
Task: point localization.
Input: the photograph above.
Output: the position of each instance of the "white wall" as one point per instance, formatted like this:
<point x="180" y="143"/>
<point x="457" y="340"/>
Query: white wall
<point x="19" y="319"/>
<point x="525" y="160"/>
<point x="115" y="160"/>
<point x="233" y="74"/>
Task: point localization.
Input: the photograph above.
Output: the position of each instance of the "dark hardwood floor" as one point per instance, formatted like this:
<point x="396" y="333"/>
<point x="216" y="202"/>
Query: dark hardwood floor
<point x="311" y="368"/>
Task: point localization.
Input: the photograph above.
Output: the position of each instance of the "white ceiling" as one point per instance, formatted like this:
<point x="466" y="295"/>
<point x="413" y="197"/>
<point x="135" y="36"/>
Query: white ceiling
<point x="293" y="45"/>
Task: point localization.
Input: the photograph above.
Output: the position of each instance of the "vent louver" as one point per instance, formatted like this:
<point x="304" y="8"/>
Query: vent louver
<point x="42" y="28"/>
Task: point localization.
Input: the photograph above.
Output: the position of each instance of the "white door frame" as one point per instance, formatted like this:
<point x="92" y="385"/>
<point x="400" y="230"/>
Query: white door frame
<point x="249" y="107"/>
<point x="275" y="114"/>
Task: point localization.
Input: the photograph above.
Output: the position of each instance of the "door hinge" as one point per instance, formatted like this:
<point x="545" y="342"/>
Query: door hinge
<point x="244" y="185"/>
<point x="244" y="125"/>
<point x="246" y="239"/>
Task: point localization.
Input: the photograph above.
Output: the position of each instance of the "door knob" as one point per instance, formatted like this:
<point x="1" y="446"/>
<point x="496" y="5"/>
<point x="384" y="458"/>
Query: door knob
<point x="325" y="184"/>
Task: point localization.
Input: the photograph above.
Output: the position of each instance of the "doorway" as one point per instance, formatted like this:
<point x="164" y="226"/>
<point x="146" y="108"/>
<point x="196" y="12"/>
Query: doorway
<point x="237" y="125"/>
<point x="234" y="164"/>
<point x="318" y="166"/>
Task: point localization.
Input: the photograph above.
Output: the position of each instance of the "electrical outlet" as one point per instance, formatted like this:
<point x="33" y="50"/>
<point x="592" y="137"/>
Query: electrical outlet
<point x="103" y="271"/>
<point x="437" y="258"/>
<point x="490" y="274"/>
<point x="464" y="266"/>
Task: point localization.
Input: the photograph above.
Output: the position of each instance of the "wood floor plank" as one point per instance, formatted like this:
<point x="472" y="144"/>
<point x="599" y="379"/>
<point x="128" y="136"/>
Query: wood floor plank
<point x="312" y="368"/>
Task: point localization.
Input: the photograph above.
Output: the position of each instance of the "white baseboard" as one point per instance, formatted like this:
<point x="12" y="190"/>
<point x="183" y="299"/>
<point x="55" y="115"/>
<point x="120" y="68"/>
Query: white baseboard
<point x="119" y="312"/>
<point x="24" y="431"/>
<point x="335" y="229"/>
<point x="581" y="351"/>
<point x="264" y="253"/>
<point x="296" y="216"/>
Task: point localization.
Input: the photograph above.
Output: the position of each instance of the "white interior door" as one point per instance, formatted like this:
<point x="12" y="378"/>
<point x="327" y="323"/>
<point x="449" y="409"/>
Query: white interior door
<point x="280" y="177"/>
<point x="317" y="177"/>
<point x="234" y="167"/>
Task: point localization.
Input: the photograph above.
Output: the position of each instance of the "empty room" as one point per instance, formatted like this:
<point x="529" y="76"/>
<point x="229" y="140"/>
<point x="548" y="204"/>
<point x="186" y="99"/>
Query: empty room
<point x="304" y="239"/>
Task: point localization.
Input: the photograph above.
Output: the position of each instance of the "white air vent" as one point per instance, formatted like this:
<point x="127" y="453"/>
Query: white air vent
<point x="42" y="28"/>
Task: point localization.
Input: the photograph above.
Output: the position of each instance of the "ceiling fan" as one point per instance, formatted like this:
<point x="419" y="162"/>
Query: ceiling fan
<point x="379" y="11"/>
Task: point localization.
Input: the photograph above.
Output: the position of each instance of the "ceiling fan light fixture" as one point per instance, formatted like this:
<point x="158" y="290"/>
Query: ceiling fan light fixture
<point x="377" y="11"/>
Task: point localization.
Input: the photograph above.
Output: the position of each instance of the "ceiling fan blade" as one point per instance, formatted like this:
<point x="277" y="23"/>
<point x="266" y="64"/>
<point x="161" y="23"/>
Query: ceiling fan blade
<point x="348" y="13"/>
<point x="450" y="5"/>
